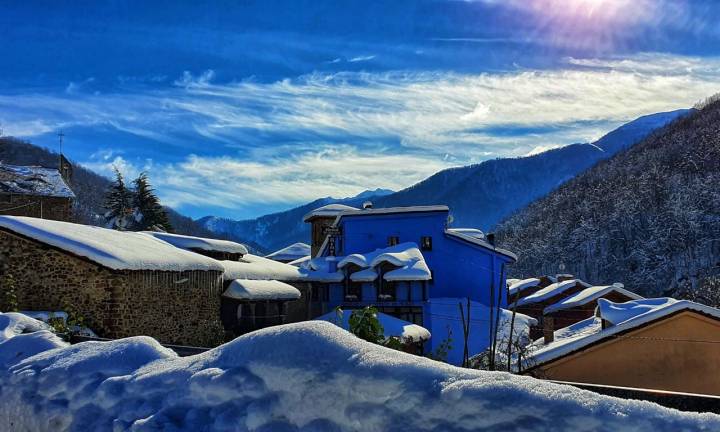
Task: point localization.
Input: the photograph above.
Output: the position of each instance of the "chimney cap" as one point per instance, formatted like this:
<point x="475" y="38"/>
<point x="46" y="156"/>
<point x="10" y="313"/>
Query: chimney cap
<point x="367" y="205"/>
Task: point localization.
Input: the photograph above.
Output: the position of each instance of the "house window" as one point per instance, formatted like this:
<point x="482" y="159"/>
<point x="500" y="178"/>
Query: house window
<point x="353" y="291"/>
<point x="393" y="240"/>
<point x="5" y="198"/>
<point x="387" y="291"/>
<point x="426" y="243"/>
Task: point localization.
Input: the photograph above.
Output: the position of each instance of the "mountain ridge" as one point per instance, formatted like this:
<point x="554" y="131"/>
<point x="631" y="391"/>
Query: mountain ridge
<point x="648" y="217"/>
<point x="477" y="194"/>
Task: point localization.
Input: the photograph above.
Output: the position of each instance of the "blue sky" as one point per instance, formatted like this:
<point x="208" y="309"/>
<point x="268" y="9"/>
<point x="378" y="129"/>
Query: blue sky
<point x="241" y="108"/>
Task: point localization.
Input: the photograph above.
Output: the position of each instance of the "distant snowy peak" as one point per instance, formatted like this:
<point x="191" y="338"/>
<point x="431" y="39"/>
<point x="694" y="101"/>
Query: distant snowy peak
<point x="371" y="193"/>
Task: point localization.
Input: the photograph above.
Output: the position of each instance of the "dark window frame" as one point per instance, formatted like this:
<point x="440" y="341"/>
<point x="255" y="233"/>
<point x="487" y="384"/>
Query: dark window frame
<point x="426" y="243"/>
<point x="393" y="240"/>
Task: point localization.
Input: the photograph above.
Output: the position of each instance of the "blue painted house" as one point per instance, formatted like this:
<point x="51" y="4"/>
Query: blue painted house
<point x="407" y="262"/>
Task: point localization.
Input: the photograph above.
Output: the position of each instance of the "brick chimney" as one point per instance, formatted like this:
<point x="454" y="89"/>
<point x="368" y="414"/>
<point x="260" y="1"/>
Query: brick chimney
<point x="548" y="329"/>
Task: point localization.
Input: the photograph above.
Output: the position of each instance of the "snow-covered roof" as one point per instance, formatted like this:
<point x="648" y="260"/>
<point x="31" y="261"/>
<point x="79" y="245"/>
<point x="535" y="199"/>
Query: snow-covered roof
<point x="206" y="244"/>
<point x="259" y="268"/>
<point x="392" y="326"/>
<point x="520" y="285"/>
<point x="588" y="295"/>
<point x="364" y="275"/>
<point x="33" y="180"/>
<point x="291" y="253"/>
<point x="406" y="256"/>
<point x="330" y="379"/>
<point x="321" y="270"/>
<point x="300" y="261"/>
<point x="550" y="291"/>
<point x="479" y="242"/>
<point x="329" y="210"/>
<point x="623" y="317"/>
<point x="510" y="281"/>
<point x="245" y="289"/>
<point x="472" y="232"/>
<point x="118" y="250"/>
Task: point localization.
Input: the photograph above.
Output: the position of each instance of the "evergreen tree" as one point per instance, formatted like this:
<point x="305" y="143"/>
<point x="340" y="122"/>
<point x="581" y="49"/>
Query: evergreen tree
<point x="118" y="203"/>
<point x="150" y="215"/>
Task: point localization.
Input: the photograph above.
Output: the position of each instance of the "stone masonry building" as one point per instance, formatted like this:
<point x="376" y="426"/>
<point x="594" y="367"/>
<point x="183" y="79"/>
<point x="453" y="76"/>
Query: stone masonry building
<point x="123" y="283"/>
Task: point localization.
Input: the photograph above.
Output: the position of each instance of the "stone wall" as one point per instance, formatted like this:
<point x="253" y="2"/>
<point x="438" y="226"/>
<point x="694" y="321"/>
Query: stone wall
<point x="299" y="310"/>
<point x="36" y="206"/>
<point x="173" y="307"/>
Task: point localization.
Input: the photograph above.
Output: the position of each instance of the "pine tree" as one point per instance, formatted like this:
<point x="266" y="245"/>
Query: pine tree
<point x="118" y="203"/>
<point x="150" y="213"/>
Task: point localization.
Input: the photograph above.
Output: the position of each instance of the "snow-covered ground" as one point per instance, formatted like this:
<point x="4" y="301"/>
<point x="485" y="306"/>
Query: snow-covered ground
<point x="310" y="376"/>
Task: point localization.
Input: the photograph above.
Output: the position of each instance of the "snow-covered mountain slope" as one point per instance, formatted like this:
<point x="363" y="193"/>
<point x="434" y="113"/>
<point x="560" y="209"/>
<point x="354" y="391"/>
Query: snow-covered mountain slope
<point x="649" y="217"/>
<point x="277" y="230"/>
<point x="310" y="376"/>
<point x="478" y="195"/>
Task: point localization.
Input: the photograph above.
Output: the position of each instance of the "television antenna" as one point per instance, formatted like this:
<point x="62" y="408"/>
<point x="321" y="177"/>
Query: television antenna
<point x="61" y="135"/>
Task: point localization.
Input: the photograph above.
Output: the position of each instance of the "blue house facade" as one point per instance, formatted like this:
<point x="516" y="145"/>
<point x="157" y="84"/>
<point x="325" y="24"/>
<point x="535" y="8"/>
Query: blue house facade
<point x="403" y="261"/>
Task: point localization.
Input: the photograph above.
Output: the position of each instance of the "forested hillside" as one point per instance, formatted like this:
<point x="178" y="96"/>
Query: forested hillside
<point x="89" y="188"/>
<point x="648" y="217"/>
<point x="482" y="195"/>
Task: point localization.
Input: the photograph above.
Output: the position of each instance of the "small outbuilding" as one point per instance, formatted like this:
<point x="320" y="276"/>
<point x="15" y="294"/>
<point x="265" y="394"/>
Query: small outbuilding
<point x="35" y="191"/>
<point x="250" y="304"/>
<point x="259" y="292"/>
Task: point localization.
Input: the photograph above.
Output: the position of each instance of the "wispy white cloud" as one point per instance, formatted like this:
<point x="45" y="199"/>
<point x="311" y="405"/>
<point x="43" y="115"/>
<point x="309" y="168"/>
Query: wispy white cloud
<point x="189" y="80"/>
<point x="228" y="182"/>
<point x="335" y="134"/>
<point x="361" y="58"/>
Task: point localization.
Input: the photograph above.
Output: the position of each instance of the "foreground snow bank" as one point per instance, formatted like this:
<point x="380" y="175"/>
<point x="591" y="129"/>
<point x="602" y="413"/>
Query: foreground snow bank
<point x="310" y="376"/>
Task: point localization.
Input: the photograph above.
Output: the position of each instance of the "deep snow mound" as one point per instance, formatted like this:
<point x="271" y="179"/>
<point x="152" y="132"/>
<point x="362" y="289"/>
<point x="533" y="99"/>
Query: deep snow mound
<point x="310" y="376"/>
<point x="22" y="337"/>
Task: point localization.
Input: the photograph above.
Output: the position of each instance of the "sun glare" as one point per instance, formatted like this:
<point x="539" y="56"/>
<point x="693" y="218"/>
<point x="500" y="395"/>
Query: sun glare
<point x="601" y="9"/>
<point x="588" y="23"/>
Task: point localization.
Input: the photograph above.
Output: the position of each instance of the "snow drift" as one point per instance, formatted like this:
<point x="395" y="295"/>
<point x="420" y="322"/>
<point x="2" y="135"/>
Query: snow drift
<point x="310" y="376"/>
